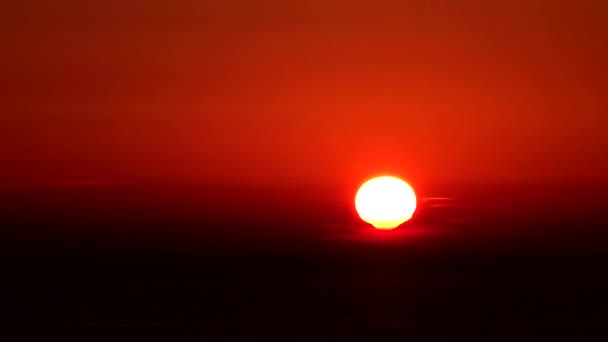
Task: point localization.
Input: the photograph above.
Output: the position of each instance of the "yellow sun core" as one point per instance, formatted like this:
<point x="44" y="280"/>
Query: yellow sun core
<point x="385" y="202"/>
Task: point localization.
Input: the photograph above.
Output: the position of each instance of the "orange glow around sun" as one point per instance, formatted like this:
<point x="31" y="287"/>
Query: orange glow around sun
<point x="385" y="202"/>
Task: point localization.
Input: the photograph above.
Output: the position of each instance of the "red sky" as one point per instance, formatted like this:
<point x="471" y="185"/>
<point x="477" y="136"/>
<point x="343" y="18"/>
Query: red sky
<point x="314" y="92"/>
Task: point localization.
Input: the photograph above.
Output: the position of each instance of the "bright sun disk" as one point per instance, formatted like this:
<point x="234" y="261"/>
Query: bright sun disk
<point x="385" y="202"/>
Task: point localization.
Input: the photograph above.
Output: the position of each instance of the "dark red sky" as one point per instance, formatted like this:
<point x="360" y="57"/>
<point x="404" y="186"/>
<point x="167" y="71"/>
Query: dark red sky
<point x="321" y="92"/>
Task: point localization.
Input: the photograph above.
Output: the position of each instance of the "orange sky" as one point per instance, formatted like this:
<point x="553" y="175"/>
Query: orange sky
<point x="321" y="92"/>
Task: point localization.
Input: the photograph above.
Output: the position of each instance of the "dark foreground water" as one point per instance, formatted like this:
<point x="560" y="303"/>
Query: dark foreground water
<point x="94" y="267"/>
<point x="307" y="302"/>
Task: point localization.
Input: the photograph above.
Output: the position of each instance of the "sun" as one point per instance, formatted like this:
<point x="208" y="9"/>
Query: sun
<point x="385" y="202"/>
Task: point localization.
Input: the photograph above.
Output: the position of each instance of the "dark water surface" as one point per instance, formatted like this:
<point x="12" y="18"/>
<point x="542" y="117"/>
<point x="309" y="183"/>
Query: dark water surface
<point x="128" y="263"/>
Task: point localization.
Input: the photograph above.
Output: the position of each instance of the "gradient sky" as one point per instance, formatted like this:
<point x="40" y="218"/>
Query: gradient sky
<point x="314" y="92"/>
